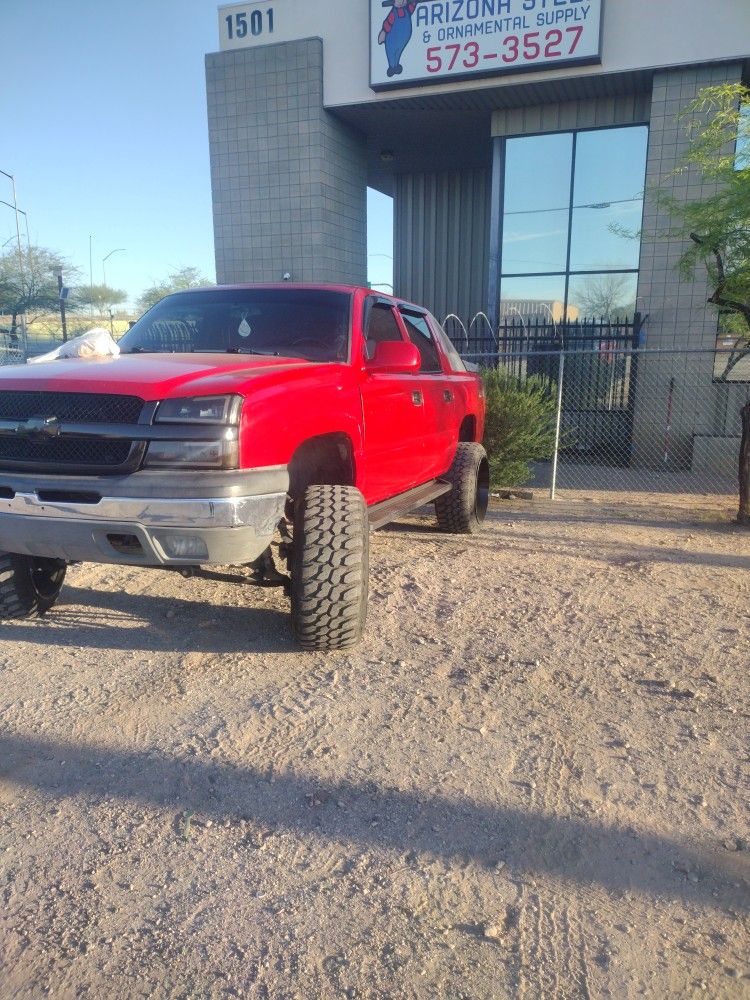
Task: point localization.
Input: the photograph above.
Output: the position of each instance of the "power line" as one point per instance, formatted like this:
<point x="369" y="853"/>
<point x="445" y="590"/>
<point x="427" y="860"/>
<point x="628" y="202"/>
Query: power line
<point x="595" y="205"/>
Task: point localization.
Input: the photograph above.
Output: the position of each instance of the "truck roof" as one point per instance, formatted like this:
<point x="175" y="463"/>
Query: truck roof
<point x="303" y="286"/>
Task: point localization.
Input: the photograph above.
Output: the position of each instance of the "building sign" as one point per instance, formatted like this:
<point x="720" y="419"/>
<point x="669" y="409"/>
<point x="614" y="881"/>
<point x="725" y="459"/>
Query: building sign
<point x="423" y="41"/>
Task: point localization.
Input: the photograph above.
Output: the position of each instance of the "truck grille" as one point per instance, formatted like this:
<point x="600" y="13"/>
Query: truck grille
<point x="68" y="407"/>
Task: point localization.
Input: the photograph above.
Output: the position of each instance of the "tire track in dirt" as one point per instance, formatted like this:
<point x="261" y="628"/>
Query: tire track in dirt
<point x="551" y="951"/>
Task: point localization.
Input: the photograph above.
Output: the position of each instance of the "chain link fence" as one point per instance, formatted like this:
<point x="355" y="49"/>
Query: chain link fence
<point x="634" y="421"/>
<point x="12" y="355"/>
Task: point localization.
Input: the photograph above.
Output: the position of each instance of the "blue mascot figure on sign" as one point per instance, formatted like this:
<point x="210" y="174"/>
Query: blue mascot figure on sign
<point x="396" y="32"/>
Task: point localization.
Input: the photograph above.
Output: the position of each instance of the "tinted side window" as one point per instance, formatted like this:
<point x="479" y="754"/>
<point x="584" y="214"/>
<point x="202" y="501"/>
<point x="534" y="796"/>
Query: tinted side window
<point x="381" y="327"/>
<point x="421" y="336"/>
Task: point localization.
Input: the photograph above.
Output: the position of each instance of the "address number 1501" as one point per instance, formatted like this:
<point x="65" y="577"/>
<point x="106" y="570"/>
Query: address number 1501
<point x="554" y="44"/>
<point x="253" y="23"/>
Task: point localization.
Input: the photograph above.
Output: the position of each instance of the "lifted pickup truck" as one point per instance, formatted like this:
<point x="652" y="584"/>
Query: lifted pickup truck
<point x="234" y="418"/>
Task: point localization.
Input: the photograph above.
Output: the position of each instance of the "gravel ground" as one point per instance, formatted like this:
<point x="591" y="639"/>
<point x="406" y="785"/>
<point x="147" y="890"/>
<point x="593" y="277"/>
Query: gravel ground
<point x="530" y="780"/>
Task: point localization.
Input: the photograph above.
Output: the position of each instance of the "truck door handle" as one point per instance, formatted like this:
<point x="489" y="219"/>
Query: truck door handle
<point x="416" y="398"/>
<point x="448" y="396"/>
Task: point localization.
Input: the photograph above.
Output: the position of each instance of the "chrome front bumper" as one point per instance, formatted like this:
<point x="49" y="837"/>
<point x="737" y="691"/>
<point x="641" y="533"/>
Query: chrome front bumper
<point x="136" y="530"/>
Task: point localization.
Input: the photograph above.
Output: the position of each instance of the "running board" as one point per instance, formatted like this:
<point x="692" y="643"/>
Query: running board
<point x="387" y="510"/>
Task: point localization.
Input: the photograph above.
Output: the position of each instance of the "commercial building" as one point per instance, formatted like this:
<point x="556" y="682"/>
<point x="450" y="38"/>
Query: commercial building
<point x="521" y="140"/>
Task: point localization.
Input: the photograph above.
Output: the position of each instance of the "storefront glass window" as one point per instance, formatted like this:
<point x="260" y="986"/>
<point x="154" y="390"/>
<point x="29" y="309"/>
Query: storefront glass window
<point x="537" y="195"/>
<point x="573" y="204"/>
<point x="608" y="199"/>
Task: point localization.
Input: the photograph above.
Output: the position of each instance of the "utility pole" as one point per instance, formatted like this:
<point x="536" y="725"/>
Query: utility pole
<point x="104" y="283"/>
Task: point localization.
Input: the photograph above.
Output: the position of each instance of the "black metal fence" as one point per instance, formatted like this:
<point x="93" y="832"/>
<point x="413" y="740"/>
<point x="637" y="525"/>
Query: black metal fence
<point x="515" y="337"/>
<point x="601" y="371"/>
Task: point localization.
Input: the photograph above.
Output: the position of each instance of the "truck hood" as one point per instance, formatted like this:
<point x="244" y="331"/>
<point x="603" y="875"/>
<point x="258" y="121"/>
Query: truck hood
<point x="150" y="376"/>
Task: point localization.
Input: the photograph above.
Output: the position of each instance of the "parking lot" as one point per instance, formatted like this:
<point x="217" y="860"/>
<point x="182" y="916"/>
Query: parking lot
<point x="530" y="780"/>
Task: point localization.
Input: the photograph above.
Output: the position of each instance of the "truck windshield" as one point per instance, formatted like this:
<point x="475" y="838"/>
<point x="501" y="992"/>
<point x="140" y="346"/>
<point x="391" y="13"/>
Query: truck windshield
<point x="295" y="322"/>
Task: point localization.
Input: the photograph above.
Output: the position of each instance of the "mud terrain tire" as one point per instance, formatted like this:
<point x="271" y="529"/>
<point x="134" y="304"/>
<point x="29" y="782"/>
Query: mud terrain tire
<point x="28" y="586"/>
<point x="329" y="567"/>
<point x="462" y="511"/>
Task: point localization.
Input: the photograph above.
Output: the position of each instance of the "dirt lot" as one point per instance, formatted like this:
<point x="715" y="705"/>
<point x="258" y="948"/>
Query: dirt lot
<point x="531" y="780"/>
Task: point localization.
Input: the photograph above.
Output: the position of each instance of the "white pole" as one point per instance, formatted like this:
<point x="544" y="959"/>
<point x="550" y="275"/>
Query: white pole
<point x="558" y="424"/>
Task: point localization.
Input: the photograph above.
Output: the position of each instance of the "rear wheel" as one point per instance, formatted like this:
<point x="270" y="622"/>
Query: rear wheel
<point x="29" y="586"/>
<point x="463" y="509"/>
<point x="330" y="553"/>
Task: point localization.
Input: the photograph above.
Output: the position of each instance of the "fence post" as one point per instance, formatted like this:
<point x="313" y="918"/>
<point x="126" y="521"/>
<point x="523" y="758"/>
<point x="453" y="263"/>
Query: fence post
<point x="558" y="424"/>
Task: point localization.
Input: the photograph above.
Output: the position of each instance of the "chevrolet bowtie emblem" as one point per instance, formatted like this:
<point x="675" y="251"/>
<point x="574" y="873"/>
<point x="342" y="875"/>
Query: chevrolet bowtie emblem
<point x="45" y="427"/>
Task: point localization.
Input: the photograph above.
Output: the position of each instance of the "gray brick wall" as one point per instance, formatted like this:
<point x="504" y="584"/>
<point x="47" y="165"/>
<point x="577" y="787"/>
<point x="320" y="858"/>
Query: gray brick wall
<point x="289" y="180"/>
<point x="679" y="315"/>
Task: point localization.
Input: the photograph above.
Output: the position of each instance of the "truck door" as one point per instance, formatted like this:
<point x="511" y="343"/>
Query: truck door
<point x="393" y="413"/>
<point x="440" y="406"/>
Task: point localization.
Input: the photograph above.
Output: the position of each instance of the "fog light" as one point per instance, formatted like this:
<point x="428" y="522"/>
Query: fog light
<point x="184" y="547"/>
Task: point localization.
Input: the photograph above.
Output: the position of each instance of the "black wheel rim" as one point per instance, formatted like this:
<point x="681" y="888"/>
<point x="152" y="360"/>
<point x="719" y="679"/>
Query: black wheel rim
<point x="482" y="496"/>
<point x="46" y="576"/>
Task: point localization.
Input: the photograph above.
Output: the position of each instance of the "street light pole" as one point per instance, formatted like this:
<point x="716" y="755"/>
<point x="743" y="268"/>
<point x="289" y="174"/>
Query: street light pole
<point x="105" y="259"/>
<point x="21" y="271"/>
<point x="104" y="282"/>
<point x="20" y="211"/>
<point x="14" y="206"/>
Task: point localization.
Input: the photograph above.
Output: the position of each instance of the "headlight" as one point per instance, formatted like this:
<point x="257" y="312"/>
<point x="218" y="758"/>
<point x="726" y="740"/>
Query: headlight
<point x="220" y="452"/>
<point x="200" y="410"/>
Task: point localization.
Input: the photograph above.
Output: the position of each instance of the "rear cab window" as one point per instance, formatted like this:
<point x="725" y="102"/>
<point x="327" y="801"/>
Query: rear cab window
<point x="455" y="362"/>
<point x="421" y="336"/>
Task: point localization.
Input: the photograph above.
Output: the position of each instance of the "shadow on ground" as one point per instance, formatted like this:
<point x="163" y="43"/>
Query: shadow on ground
<point x="609" y="552"/>
<point x="367" y="815"/>
<point x="99" y="619"/>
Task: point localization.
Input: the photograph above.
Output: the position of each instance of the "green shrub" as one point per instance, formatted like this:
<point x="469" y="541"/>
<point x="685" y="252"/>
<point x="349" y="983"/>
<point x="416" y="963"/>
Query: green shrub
<point x="520" y="425"/>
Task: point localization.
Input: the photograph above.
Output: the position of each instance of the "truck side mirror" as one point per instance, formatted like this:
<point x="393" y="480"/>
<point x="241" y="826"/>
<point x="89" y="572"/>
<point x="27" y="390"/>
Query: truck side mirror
<point x="395" y="357"/>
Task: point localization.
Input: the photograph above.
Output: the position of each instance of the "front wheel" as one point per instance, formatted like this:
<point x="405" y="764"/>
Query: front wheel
<point x="329" y="565"/>
<point x="29" y="586"/>
<point x="463" y="509"/>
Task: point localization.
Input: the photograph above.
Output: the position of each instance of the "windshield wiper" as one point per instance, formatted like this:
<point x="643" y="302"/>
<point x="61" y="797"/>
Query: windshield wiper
<point x="253" y="350"/>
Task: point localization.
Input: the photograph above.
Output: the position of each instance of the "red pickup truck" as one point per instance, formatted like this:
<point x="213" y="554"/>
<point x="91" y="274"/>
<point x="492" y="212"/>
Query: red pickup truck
<point x="239" y="422"/>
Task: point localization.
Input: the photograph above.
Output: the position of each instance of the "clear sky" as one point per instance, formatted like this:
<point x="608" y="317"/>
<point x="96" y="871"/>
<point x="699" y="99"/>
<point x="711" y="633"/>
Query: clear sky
<point x="103" y="124"/>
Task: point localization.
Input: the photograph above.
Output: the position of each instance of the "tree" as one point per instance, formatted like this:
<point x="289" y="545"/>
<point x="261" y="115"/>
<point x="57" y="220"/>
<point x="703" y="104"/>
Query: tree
<point x="604" y="296"/>
<point x="100" y="297"/>
<point x="178" y="281"/>
<point x="29" y="285"/>
<point x="717" y="227"/>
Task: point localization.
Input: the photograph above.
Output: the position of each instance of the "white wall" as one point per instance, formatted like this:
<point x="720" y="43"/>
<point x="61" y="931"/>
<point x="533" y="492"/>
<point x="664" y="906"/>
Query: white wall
<point x="637" y="34"/>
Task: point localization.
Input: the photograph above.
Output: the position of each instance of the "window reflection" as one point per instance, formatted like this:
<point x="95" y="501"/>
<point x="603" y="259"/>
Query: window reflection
<point x="548" y="241"/>
<point x="608" y="199"/>
<point x="537" y="196"/>
<point x="540" y="299"/>
<point x="742" y="152"/>
<point x="602" y="296"/>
